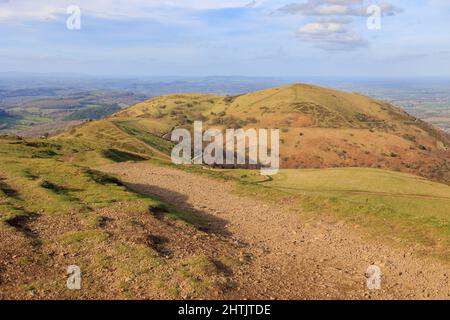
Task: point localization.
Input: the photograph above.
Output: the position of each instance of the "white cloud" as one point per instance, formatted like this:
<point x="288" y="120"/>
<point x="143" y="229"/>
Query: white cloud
<point x="331" y="35"/>
<point x="108" y="9"/>
<point x="322" y="28"/>
<point x="334" y="34"/>
<point x="337" y="7"/>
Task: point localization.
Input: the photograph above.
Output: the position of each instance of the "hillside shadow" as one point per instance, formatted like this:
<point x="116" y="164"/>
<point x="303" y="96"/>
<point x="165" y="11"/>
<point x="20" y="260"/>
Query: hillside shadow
<point x="7" y="189"/>
<point x="202" y="219"/>
<point x="22" y="224"/>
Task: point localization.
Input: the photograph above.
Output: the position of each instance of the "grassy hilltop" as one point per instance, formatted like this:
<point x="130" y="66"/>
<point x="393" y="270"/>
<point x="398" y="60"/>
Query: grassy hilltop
<point x="320" y="128"/>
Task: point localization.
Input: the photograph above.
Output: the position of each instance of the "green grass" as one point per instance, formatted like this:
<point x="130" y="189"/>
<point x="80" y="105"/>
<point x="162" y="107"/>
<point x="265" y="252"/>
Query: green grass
<point x="101" y="142"/>
<point x="12" y="124"/>
<point x="49" y="185"/>
<point x="81" y="237"/>
<point x="358" y="180"/>
<point x="158" y="143"/>
<point x="121" y="156"/>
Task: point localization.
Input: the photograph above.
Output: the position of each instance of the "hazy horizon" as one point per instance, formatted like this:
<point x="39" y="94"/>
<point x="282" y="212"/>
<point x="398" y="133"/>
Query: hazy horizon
<point x="22" y="74"/>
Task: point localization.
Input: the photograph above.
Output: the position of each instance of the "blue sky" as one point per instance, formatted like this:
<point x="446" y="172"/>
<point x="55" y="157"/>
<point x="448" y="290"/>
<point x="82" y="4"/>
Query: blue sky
<point x="227" y="37"/>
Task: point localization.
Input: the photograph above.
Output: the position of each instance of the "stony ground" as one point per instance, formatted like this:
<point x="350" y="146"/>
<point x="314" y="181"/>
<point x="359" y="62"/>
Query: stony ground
<point x="286" y="255"/>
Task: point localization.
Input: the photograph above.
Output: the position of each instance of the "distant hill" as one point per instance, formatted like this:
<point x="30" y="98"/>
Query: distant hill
<point x="320" y="128"/>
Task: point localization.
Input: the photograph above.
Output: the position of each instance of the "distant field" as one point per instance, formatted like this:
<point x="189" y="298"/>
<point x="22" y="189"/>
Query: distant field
<point x="38" y="115"/>
<point x="440" y="122"/>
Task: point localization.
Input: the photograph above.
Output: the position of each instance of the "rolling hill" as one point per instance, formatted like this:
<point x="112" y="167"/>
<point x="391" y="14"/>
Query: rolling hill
<point x="105" y="196"/>
<point x="320" y="128"/>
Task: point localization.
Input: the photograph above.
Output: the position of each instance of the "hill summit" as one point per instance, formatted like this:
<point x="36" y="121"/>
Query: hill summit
<point x="320" y="128"/>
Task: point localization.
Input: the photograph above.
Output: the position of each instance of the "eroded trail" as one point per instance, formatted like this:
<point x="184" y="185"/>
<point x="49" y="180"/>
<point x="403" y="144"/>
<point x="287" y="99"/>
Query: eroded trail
<point x="289" y="258"/>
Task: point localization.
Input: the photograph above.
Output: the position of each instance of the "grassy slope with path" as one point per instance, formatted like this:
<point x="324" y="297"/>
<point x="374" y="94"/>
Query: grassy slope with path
<point x="342" y="129"/>
<point x="292" y="255"/>
<point x="55" y="213"/>
<point x="54" y="207"/>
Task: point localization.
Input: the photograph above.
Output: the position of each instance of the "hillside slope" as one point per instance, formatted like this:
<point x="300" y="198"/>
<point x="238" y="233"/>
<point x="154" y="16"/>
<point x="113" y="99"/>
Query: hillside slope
<point x="320" y="128"/>
<point x="54" y="213"/>
<point x="153" y="232"/>
<point x="226" y="243"/>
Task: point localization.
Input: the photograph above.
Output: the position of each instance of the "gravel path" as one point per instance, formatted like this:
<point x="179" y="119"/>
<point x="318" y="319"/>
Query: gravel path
<point x="289" y="258"/>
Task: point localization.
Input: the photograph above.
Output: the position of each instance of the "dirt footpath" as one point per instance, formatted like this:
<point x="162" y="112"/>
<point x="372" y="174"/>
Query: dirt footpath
<point x="287" y="257"/>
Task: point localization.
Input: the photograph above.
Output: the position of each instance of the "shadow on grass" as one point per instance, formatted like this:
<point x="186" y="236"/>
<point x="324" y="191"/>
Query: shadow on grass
<point x="7" y="189"/>
<point x="121" y="156"/>
<point x="21" y="224"/>
<point x="182" y="209"/>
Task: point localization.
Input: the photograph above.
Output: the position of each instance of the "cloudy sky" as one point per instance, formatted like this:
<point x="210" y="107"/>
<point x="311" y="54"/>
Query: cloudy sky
<point x="227" y="37"/>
